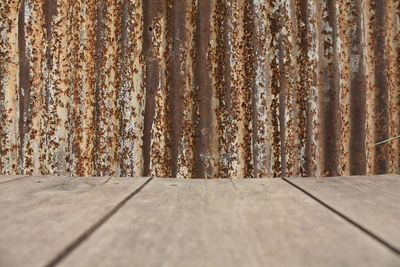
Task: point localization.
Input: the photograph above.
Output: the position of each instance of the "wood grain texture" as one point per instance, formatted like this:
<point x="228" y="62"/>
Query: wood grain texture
<point x="373" y="202"/>
<point x="40" y="216"/>
<point x="217" y="223"/>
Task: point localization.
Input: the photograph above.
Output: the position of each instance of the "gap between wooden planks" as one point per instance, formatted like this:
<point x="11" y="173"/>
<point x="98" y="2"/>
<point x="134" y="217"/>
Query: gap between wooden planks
<point x="175" y="222"/>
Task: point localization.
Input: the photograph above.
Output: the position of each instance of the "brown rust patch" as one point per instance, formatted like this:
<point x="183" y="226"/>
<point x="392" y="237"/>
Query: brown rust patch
<point x="261" y="95"/>
<point x="177" y="71"/>
<point x="34" y="145"/>
<point x="185" y="159"/>
<point x="392" y="52"/>
<point x="24" y="83"/>
<point x="357" y="155"/>
<point x="328" y="84"/>
<point x="9" y="94"/>
<point x="381" y="86"/>
<point x="275" y="44"/>
<point x="218" y="63"/>
<point x="204" y="132"/>
<point x="160" y="152"/>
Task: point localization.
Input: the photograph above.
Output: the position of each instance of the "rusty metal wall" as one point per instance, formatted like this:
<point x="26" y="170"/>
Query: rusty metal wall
<point x="199" y="88"/>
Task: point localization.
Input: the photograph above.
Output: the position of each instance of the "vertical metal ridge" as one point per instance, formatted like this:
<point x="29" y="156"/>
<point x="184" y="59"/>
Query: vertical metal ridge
<point x="185" y="166"/>
<point x="290" y="79"/>
<point x="236" y="102"/>
<point x="24" y="85"/>
<point x="177" y="73"/>
<point x="205" y="150"/>
<point x="357" y="79"/>
<point x="34" y="136"/>
<point x="344" y="11"/>
<point x="151" y="79"/>
<point x="302" y="41"/>
<point x="392" y="52"/>
<point x="368" y="13"/>
<point x="131" y="92"/>
<point x="275" y="88"/>
<point x="219" y="84"/>
<point x="262" y="118"/>
<point x="248" y="89"/>
<point x="329" y="84"/>
<point x="313" y="166"/>
<point x="380" y="40"/>
<point x="160" y="153"/>
<point x="107" y="91"/>
<point x="58" y="93"/>
<point x="398" y="82"/>
<point x="83" y="61"/>
<point x="75" y="56"/>
<point x="9" y="80"/>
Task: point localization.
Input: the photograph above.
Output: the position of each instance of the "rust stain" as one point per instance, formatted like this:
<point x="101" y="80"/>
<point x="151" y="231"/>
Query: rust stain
<point x="303" y="90"/>
<point x="261" y="98"/>
<point x="9" y="80"/>
<point x="199" y="89"/>
<point x="291" y="94"/>
<point x="275" y="89"/>
<point x="58" y="94"/>
<point x="131" y="93"/>
<point x="368" y="54"/>
<point x="185" y="165"/>
<point x="205" y="147"/>
<point x="160" y="152"/>
<point x="345" y="20"/>
<point x="392" y="53"/>
<point x="82" y="61"/>
<point x="328" y="85"/>
<point x="218" y="60"/>
<point x="357" y="95"/>
<point x="236" y="132"/>
<point x="34" y="134"/>
<point x="313" y="43"/>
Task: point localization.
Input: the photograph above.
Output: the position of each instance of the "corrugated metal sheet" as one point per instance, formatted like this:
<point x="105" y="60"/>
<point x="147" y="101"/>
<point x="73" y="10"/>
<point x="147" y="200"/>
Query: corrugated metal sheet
<point x="199" y="88"/>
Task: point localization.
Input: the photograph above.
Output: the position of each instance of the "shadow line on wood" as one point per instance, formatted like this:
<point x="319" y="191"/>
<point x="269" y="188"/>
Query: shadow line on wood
<point x="71" y="247"/>
<point x="354" y="223"/>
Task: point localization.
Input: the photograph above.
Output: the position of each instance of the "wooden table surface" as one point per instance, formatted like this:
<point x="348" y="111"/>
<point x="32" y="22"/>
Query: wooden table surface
<point x="61" y="221"/>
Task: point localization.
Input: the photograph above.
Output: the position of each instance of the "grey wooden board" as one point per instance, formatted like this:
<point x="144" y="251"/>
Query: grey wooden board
<point x="211" y="223"/>
<point x="9" y="178"/>
<point x="373" y="202"/>
<point x="40" y="216"/>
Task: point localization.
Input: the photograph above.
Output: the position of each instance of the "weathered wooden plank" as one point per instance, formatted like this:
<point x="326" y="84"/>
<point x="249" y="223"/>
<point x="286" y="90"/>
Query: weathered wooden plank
<point x="40" y="216"/>
<point x="217" y="223"/>
<point x="8" y="178"/>
<point x="372" y="202"/>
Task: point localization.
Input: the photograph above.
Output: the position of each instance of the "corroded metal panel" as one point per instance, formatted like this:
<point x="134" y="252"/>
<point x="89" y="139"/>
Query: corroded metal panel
<point x="199" y="89"/>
